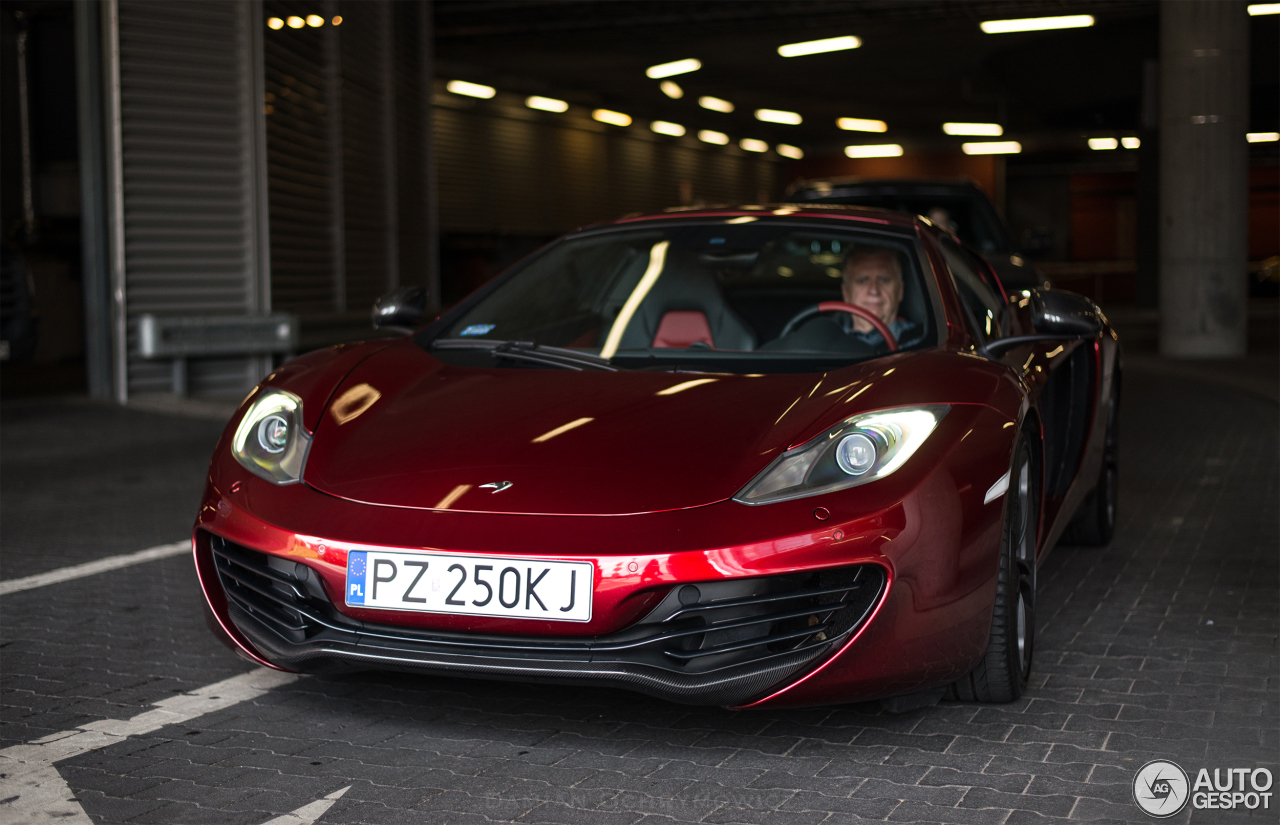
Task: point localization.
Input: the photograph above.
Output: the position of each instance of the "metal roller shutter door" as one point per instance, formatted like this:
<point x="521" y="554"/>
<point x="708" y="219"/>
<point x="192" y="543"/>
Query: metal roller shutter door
<point x="508" y="172"/>
<point x="368" y="152"/>
<point x="300" y="171"/>
<point x="189" y="186"/>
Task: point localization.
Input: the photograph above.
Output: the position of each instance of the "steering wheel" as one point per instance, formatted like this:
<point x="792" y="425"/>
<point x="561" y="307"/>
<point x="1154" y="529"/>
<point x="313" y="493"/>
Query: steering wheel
<point x="840" y="306"/>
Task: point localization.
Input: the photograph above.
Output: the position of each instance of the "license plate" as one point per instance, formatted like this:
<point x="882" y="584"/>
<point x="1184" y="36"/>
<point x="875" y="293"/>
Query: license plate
<point x="511" y="588"/>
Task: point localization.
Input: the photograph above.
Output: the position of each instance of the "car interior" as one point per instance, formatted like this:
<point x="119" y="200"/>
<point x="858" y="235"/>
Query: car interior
<point x="714" y="289"/>
<point x="728" y="299"/>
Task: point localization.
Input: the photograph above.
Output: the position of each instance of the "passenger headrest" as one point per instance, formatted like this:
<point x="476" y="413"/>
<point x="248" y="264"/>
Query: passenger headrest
<point x="686" y="286"/>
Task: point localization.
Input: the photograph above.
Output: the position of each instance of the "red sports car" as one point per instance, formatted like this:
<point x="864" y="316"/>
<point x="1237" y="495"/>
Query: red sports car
<point x="744" y="456"/>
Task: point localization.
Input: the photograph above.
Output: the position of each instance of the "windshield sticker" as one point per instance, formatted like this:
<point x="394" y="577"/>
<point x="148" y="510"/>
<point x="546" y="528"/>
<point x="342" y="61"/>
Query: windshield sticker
<point x="478" y="329"/>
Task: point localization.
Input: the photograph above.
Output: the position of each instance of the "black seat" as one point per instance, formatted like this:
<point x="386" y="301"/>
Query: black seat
<point x="683" y="287"/>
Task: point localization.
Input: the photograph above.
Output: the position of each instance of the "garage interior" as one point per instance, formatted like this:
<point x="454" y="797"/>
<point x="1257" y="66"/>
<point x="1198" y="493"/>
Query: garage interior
<point x="296" y="159"/>
<point x="359" y="171"/>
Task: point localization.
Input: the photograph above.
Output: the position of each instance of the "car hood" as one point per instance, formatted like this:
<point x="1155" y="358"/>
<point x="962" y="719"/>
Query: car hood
<point x="406" y="430"/>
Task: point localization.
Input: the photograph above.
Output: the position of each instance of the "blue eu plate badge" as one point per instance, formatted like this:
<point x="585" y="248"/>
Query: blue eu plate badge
<point x="357" y="565"/>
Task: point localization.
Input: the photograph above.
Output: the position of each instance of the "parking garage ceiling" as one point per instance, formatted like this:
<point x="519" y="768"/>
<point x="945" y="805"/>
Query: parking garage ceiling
<point x="921" y="62"/>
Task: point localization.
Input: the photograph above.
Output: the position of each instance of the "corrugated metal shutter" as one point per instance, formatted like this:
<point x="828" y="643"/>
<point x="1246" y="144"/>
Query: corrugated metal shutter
<point x="504" y="170"/>
<point x="190" y="185"/>
<point x="301" y="179"/>
<point x="334" y="137"/>
<point x="463" y="175"/>
<point x="411" y="66"/>
<point x="368" y="151"/>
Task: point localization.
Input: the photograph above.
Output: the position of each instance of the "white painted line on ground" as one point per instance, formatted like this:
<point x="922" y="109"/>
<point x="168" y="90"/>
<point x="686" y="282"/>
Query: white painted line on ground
<point x="309" y="813"/>
<point x="33" y="792"/>
<point x="90" y="568"/>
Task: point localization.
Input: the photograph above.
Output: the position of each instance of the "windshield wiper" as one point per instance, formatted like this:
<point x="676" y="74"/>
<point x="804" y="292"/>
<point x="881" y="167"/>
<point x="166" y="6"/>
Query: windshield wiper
<point x="529" y="351"/>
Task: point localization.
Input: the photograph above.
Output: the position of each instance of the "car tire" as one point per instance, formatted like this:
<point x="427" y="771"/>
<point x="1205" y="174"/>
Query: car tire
<point x="1095" y="521"/>
<point x="1001" y="675"/>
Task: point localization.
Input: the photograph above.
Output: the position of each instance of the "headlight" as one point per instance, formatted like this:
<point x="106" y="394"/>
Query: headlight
<point x="861" y="449"/>
<point x="270" y="441"/>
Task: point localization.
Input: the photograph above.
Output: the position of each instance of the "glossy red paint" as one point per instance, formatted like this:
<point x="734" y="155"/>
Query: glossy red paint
<point x="313" y="377"/>
<point x="650" y="504"/>
<point x="785" y="210"/>
<point x="936" y="541"/>
<point x="625" y="458"/>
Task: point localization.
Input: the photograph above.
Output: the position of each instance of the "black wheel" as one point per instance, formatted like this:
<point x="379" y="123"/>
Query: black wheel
<point x="1095" y="521"/>
<point x="1002" y="674"/>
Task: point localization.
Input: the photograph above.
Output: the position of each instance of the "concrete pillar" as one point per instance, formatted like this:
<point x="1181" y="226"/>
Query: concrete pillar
<point x="95" y="270"/>
<point x="1204" y="168"/>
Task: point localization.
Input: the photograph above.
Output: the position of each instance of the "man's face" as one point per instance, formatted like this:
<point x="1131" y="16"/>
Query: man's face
<point x="874" y="284"/>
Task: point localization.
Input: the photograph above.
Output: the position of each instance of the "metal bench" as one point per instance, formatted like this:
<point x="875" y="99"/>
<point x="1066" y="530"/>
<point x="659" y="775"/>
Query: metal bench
<point x="183" y="337"/>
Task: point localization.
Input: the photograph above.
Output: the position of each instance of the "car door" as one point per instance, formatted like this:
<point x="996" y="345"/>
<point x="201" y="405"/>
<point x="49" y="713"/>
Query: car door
<point x="1059" y="375"/>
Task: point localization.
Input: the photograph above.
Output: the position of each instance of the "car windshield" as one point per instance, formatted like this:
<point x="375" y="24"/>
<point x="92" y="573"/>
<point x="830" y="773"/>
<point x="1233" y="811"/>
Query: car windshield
<point x="736" y="295"/>
<point x="967" y="215"/>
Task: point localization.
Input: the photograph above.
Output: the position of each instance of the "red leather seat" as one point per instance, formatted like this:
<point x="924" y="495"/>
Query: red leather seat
<point x="685" y="306"/>
<point x="683" y="328"/>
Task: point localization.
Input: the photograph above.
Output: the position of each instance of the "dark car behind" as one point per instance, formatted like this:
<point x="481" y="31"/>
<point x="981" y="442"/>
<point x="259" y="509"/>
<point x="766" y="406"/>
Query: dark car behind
<point x="958" y="206"/>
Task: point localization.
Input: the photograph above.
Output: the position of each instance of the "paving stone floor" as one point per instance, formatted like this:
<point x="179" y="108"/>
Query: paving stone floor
<point x="1162" y="645"/>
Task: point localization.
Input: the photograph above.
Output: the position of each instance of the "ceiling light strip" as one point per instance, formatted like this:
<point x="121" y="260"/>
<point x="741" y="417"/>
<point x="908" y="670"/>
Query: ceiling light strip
<point x="673" y="68"/>
<point x="830" y="44"/>
<point x="1037" y="24"/>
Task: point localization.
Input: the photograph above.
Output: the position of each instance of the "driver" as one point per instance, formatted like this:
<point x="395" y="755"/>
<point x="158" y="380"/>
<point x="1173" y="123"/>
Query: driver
<point x="873" y="280"/>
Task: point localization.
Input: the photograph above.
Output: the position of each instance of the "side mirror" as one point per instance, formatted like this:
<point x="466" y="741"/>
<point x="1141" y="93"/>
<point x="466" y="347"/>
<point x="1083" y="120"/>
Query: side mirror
<point x="405" y="309"/>
<point x="1055" y="312"/>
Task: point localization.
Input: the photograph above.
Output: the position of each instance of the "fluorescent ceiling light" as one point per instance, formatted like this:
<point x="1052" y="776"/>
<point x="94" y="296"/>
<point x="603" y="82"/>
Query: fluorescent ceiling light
<point x="753" y="145"/>
<point x="715" y="104"/>
<point x="1102" y="144"/>
<point x="315" y="21"/>
<point x="830" y="44"/>
<point x="614" y="118"/>
<point x="1130" y="142"/>
<point x="793" y="152"/>
<point x="1037" y="24"/>
<point x="709" y="136"/>
<point x="546" y="104"/>
<point x="1256" y="9"/>
<point x="857" y="124"/>
<point x="883" y="150"/>
<point x="296" y="22"/>
<point x="462" y="87"/>
<point x="671" y="89"/>
<point x="1263" y="137"/>
<point x="779" y="116"/>
<point x="275" y="23"/>
<point x="662" y="127"/>
<point x="976" y="129"/>
<point x="673" y="68"/>
<point x="992" y="147"/>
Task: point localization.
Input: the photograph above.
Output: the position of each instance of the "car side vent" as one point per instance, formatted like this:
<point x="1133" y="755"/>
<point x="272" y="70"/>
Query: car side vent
<point x="268" y="588"/>
<point x="718" y="623"/>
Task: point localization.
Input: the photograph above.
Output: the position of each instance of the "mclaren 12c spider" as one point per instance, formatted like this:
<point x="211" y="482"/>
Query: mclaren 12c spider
<point x="747" y="456"/>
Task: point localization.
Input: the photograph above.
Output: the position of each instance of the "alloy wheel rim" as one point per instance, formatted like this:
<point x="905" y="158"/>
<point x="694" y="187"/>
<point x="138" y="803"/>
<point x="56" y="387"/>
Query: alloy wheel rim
<point x="1026" y="565"/>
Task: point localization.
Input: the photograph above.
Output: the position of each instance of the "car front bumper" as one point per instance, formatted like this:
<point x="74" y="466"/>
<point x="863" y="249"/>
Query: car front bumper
<point x="883" y="590"/>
